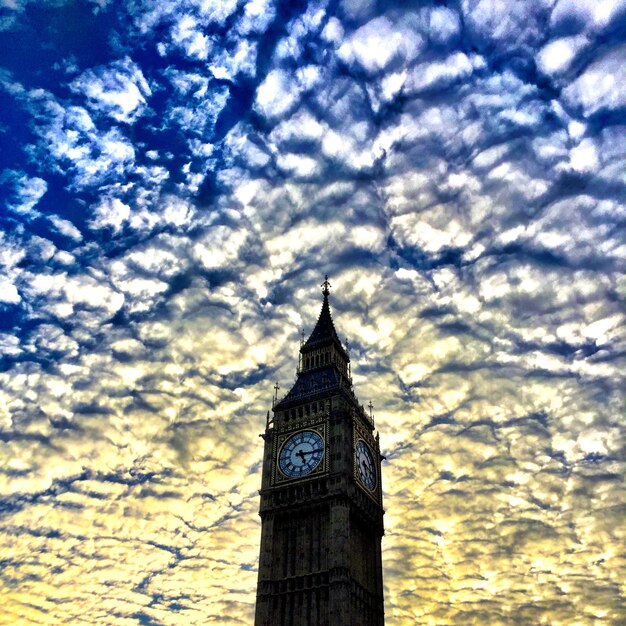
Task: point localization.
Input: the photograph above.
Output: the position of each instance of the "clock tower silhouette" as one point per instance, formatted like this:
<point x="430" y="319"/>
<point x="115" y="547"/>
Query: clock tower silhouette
<point x="321" y="497"/>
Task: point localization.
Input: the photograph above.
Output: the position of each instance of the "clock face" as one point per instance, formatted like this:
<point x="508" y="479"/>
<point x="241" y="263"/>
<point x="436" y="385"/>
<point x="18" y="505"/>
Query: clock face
<point x="365" y="464"/>
<point x="301" y="454"/>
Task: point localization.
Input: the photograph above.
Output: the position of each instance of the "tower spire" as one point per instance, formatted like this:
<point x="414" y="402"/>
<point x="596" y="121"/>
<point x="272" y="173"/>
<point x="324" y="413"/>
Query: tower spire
<point x="325" y="286"/>
<point x="324" y="330"/>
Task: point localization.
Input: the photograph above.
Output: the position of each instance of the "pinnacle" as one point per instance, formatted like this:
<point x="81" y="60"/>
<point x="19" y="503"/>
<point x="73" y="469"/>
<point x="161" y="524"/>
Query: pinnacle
<point x="325" y="328"/>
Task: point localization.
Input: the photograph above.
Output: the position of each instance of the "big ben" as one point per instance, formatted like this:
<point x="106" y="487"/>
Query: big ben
<point x="321" y="496"/>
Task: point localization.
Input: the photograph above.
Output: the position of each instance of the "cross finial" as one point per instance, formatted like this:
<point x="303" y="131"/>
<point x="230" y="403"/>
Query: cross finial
<point x="276" y="388"/>
<point x="325" y="286"/>
<point x="302" y="337"/>
<point x="370" y="406"/>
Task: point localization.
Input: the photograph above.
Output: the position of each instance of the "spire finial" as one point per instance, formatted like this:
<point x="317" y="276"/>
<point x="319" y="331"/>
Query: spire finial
<point x="325" y="286"/>
<point x="276" y="388"/>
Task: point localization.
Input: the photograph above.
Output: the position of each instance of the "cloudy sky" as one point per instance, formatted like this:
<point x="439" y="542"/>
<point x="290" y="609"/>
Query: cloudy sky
<point x="176" y="177"/>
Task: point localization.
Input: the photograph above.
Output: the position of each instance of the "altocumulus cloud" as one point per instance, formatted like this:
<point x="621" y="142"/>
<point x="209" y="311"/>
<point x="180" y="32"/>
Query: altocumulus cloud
<point x="176" y="179"/>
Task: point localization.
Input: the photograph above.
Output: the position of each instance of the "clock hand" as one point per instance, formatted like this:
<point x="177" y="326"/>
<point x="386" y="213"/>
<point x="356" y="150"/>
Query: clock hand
<point x="301" y="453"/>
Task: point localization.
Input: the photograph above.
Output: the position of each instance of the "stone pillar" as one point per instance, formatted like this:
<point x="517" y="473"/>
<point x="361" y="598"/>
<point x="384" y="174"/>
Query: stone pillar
<point x="262" y="617"/>
<point x="339" y="564"/>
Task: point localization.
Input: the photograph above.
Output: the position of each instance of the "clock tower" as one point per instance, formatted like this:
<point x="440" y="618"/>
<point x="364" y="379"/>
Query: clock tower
<point x="321" y="497"/>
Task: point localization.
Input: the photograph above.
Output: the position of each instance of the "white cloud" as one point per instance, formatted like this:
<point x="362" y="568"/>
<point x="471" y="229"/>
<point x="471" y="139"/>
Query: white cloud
<point x="576" y="129"/>
<point x="83" y="290"/>
<point x="511" y="22"/>
<point x="73" y="139"/>
<point x="297" y="164"/>
<point x="368" y="237"/>
<point x="378" y="43"/>
<point x="11" y="253"/>
<point x="176" y="211"/>
<point x="216" y="10"/>
<point x="51" y="338"/>
<point x="444" y="24"/>
<point x="110" y="212"/>
<point x="602" y="85"/>
<point x="203" y="110"/>
<point x="595" y="13"/>
<point x="405" y="192"/>
<point x="392" y="84"/>
<point x="65" y="227"/>
<point x="28" y="191"/>
<point x="338" y="146"/>
<point x="358" y="9"/>
<point x="431" y="235"/>
<point x="41" y="248"/>
<point x="64" y="258"/>
<point x="160" y="258"/>
<point x="301" y="126"/>
<point x="440" y="74"/>
<point x="308" y="76"/>
<point x="188" y="36"/>
<point x="518" y="180"/>
<point x="291" y="47"/>
<point x="8" y="292"/>
<point x="138" y="293"/>
<point x="119" y="90"/>
<point x="9" y="344"/>
<point x="219" y="247"/>
<point x="149" y="16"/>
<point x="257" y="16"/>
<point x="333" y="31"/>
<point x="190" y="84"/>
<point x="277" y="94"/>
<point x="239" y="143"/>
<point x="242" y="59"/>
<point x="584" y="157"/>
<point x="305" y="237"/>
<point x="557" y="55"/>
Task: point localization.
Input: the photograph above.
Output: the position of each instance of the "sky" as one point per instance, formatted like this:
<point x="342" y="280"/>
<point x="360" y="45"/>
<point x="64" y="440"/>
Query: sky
<point x="177" y="177"/>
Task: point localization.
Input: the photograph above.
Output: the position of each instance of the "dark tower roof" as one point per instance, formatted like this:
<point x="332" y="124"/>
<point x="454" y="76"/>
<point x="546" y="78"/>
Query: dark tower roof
<point x="324" y="331"/>
<point x="322" y="377"/>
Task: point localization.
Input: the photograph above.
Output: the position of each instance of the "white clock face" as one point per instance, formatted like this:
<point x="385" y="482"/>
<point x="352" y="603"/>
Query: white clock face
<point x="366" y="470"/>
<point x="301" y="454"/>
